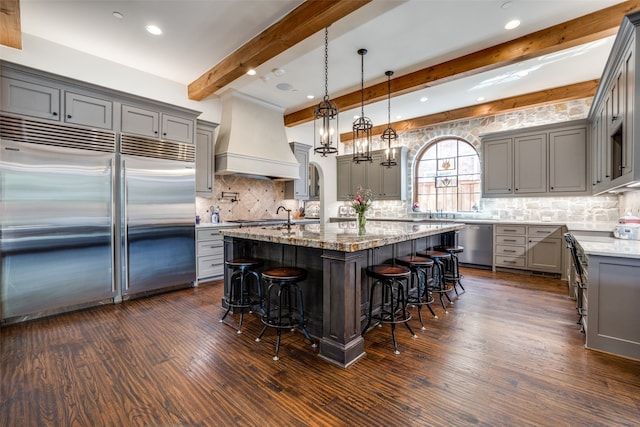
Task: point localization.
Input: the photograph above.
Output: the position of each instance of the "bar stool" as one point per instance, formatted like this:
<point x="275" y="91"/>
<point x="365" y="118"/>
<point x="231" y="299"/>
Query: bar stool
<point x="390" y="279"/>
<point x="240" y="296"/>
<point x="421" y="295"/>
<point x="453" y="272"/>
<point x="284" y="307"/>
<point x="439" y="284"/>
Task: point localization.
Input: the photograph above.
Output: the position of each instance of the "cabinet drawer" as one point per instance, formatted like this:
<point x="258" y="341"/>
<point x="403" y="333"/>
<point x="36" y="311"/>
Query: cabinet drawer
<point x="544" y="231"/>
<point x="208" y="234"/>
<point x="512" y="262"/>
<point x="511" y="240"/>
<point x="210" y="247"/>
<point x="210" y="266"/>
<point x="510" y="251"/>
<point x="511" y="229"/>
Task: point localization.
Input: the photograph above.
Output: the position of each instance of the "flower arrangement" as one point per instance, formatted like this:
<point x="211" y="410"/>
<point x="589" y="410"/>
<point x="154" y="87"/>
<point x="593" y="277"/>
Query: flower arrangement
<point x="362" y="200"/>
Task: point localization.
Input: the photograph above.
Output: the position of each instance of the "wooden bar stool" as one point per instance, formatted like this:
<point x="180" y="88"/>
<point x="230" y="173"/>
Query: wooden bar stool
<point x="439" y="284"/>
<point x="392" y="281"/>
<point x="452" y="273"/>
<point x="240" y="296"/>
<point x="283" y="307"/>
<point x="419" y="295"/>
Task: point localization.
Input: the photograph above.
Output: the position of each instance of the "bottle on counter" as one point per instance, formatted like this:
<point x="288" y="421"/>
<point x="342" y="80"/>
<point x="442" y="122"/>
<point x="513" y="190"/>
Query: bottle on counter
<point x="215" y="215"/>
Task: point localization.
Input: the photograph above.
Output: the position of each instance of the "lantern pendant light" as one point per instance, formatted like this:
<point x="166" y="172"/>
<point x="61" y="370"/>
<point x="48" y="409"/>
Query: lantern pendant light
<point x="325" y="116"/>
<point x="389" y="135"/>
<point x="362" y="127"/>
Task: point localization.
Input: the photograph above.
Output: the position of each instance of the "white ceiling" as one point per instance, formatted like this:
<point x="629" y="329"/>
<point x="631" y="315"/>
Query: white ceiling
<point x="401" y="36"/>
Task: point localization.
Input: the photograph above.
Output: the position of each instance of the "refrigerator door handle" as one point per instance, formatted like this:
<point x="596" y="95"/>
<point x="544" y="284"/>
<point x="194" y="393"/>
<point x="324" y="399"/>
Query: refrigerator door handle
<point x="125" y="229"/>
<point x="113" y="227"/>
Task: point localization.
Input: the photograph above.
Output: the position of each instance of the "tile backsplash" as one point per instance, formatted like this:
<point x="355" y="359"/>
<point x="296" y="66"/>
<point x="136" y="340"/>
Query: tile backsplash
<point x="257" y="198"/>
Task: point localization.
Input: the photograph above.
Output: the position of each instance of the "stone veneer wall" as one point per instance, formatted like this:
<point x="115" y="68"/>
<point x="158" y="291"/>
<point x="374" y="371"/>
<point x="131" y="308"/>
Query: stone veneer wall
<point x="630" y="203"/>
<point x="600" y="208"/>
<point x="257" y="198"/>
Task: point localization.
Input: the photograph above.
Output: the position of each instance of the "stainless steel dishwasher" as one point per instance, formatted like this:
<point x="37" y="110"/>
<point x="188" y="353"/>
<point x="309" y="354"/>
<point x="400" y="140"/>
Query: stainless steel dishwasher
<point x="477" y="240"/>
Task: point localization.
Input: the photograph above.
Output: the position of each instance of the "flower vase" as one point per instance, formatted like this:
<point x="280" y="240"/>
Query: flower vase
<point x="362" y="222"/>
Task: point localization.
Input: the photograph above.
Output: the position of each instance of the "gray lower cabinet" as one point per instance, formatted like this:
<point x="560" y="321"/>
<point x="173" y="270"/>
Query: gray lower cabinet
<point x="529" y="247"/>
<point x="145" y="122"/>
<point x="205" y="152"/>
<point x="209" y="253"/>
<point x="613" y="317"/>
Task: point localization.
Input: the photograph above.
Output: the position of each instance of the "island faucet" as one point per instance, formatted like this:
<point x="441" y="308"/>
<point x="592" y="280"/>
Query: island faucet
<point x="288" y="215"/>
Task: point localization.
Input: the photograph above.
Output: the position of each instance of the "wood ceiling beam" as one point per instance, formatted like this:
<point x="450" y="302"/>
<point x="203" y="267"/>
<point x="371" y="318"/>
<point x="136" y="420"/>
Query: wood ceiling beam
<point x="547" y="96"/>
<point x="304" y="21"/>
<point x="10" y="31"/>
<point x="584" y="29"/>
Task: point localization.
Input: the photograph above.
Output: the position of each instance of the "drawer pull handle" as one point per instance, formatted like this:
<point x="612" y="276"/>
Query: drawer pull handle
<point x="509" y="231"/>
<point x="509" y="240"/>
<point x="510" y="262"/>
<point x="505" y="250"/>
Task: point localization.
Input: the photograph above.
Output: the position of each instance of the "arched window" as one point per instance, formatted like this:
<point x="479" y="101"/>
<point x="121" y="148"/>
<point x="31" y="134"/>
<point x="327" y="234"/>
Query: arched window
<point x="447" y="177"/>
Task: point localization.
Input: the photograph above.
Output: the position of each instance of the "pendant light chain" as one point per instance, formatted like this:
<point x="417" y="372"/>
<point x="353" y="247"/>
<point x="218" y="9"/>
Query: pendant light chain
<point x="326" y="64"/>
<point x="362" y="127"/>
<point x="325" y="123"/>
<point x="389" y="135"/>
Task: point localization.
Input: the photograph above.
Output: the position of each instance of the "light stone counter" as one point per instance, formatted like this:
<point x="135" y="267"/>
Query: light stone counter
<point x="609" y="246"/>
<point x="343" y="237"/>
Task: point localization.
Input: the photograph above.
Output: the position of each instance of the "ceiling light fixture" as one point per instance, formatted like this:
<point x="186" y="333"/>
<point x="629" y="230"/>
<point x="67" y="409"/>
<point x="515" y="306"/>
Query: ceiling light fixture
<point x="362" y="127"/>
<point x="424" y="99"/>
<point x="153" y="29"/>
<point x="512" y="24"/>
<point x="389" y="135"/>
<point x="252" y="72"/>
<point x="118" y="15"/>
<point x="325" y="116"/>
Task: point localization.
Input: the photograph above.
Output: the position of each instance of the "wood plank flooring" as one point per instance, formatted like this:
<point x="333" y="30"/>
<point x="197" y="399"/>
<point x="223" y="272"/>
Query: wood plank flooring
<point x="509" y="352"/>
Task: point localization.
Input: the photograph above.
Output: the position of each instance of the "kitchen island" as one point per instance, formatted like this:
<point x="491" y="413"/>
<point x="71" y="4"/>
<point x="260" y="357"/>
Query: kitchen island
<point x="335" y="256"/>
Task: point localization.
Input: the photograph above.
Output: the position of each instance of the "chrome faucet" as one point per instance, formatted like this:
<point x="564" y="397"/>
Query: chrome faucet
<point x="288" y="215"/>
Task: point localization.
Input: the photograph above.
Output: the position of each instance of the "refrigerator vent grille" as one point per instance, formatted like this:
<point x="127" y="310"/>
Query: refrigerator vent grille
<point x="148" y="147"/>
<point x="60" y="135"/>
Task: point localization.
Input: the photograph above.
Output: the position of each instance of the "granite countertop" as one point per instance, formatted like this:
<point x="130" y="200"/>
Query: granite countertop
<point x="228" y="224"/>
<point x="342" y="236"/>
<point x="609" y="246"/>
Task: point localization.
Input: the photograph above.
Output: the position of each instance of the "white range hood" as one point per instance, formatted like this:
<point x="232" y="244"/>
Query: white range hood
<point x="252" y="139"/>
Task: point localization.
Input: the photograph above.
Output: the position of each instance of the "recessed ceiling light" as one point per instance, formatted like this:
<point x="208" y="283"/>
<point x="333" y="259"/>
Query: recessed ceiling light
<point x="278" y="72"/>
<point x="284" y="86"/>
<point x="522" y="73"/>
<point x="398" y="117"/>
<point x="118" y="15"/>
<point x="252" y="72"/>
<point x="424" y="99"/>
<point x="310" y="96"/>
<point x="153" y="29"/>
<point x="506" y="5"/>
<point x="480" y="98"/>
<point x="514" y="23"/>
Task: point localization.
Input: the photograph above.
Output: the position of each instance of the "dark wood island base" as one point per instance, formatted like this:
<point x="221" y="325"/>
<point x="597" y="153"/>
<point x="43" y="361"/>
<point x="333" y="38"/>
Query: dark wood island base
<point x="335" y="292"/>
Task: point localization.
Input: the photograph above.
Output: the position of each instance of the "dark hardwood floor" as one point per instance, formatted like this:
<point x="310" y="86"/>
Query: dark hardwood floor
<point x="509" y="353"/>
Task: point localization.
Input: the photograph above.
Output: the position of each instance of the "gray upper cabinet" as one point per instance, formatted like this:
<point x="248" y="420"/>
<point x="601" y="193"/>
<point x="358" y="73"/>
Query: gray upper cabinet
<point x="30" y="99"/>
<point x="298" y="189"/>
<point x="542" y="161"/>
<point x="385" y="183"/>
<point x="88" y="110"/>
<point x="141" y="121"/>
<point x="205" y="151"/>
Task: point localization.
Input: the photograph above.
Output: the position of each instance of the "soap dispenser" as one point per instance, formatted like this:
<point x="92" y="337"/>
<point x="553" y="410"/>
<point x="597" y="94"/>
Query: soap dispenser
<point x="215" y="215"/>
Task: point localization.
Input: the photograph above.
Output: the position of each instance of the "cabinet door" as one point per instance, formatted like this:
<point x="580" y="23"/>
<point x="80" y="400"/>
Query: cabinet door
<point x="88" y="111"/>
<point x="374" y="176"/>
<point x="629" y="74"/>
<point x="177" y="129"/>
<point x="298" y="189"/>
<point x="204" y="161"/>
<point x="30" y="99"/>
<point x="140" y="121"/>
<point x="497" y="167"/>
<point x="568" y="160"/>
<point x="359" y="176"/>
<point x="343" y="173"/>
<point x="545" y="254"/>
<point x="530" y="164"/>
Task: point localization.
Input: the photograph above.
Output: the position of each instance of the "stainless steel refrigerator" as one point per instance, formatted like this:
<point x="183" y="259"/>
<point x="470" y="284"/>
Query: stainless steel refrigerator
<point x="82" y="224"/>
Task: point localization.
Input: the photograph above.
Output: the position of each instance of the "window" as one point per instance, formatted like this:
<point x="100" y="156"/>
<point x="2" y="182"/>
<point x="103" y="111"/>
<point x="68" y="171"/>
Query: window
<point x="447" y="177"/>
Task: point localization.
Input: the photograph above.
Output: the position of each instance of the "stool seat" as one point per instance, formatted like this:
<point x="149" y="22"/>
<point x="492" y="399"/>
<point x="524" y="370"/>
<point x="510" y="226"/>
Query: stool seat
<point x="450" y="249"/>
<point x="410" y="260"/>
<point x="285" y="274"/>
<point x="421" y="294"/>
<point x="386" y="271"/>
<point x="435" y="254"/>
<point x="244" y="262"/>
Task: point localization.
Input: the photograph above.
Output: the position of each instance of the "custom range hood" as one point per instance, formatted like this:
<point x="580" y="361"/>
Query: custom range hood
<point x="252" y="139"/>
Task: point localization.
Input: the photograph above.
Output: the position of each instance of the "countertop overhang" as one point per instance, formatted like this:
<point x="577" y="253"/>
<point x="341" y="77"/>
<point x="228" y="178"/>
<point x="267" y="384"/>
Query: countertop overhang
<point x="342" y="237"/>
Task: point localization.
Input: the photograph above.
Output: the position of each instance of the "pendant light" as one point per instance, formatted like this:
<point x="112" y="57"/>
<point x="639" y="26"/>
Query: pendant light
<point x="389" y="135"/>
<point x="325" y="116"/>
<point x="362" y="127"/>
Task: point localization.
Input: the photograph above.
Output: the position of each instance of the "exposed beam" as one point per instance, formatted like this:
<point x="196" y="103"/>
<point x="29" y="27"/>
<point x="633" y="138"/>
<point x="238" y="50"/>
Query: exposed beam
<point x="304" y="21"/>
<point x="568" y="34"/>
<point x="10" y="32"/>
<point x="548" y="96"/>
